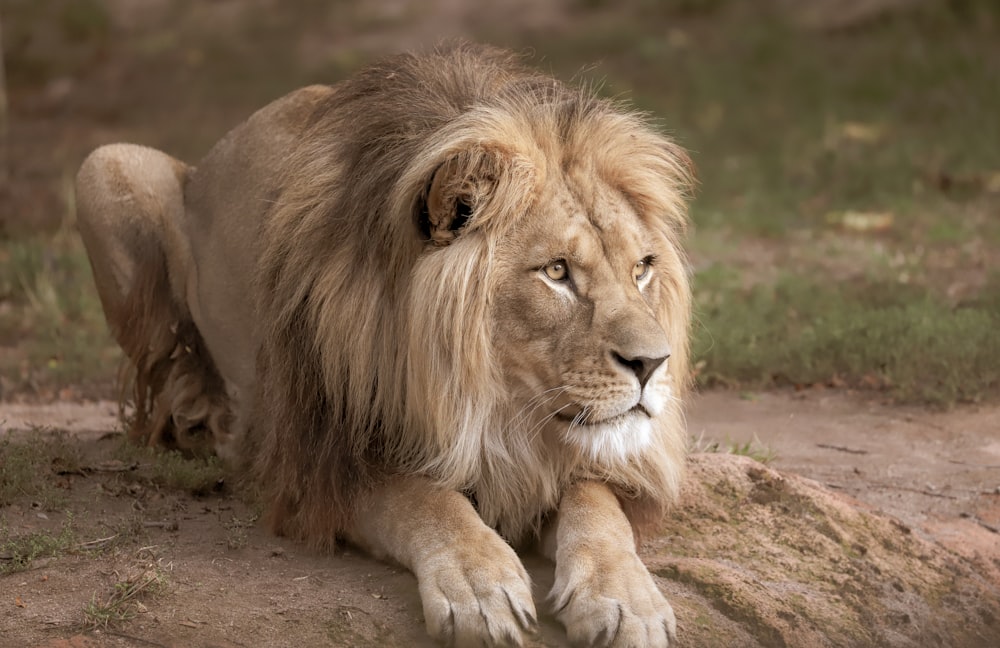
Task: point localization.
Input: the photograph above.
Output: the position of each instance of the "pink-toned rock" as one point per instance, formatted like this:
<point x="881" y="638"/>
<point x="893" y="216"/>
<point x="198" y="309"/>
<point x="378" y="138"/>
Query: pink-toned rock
<point x="753" y="557"/>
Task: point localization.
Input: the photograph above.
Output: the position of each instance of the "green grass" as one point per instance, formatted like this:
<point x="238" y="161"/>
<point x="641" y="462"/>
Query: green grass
<point x="54" y="316"/>
<point x="125" y="600"/>
<point x="17" y="553"/>
<point x="237" y="528"/>
<point x="772" y="113"/>
<point x="30" y="473"/>
<point x="800" y="331"/>
<point x="27" y="470"/>
<point x="753" y="448"/>
<point x="170" y="469"/>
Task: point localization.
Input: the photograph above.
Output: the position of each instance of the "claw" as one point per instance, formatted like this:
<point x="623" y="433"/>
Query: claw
<point x="525" y="618"/>
<point x="671" y="630"/>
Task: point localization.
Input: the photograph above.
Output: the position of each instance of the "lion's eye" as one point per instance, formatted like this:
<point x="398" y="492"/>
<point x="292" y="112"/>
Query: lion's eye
<point x="641" y="268"/>
<point x="557" y="270"/>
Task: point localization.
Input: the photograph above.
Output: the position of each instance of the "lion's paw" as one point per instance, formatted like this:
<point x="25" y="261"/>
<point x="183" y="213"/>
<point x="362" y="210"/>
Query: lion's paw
<point x="478" y="594"/>
<point x="612" y="603"/>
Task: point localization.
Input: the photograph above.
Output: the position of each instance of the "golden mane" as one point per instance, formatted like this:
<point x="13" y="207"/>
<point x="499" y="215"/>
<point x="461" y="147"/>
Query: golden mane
<point x="376" y="346"/>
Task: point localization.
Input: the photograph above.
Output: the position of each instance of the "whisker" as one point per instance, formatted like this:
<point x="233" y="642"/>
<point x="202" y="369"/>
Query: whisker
<point x="536" y="402"/>
<point x="535" y="429"/>
<point x="532" y="402"/>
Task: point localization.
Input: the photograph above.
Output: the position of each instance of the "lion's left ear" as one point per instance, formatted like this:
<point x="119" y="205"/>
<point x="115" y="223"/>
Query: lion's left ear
<point x="460" y="188"/>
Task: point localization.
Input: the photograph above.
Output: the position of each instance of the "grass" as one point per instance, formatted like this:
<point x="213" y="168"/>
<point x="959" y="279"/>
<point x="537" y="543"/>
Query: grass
<point x="799" y="331"/>
<point x="27" y="470"/>
<point x="53" y="314"/>
<point x="18" y="552"/>
<point x="237" y="536"/>
<point x="753" y="448"/>
<point x="170" y="469"/>
<point x="787" y="124"/>
<point x="28" y="478"/>
<point x="126" y="599"/>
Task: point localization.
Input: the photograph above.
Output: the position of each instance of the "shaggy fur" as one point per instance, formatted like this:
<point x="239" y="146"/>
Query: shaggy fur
<point x="377" y="354"/>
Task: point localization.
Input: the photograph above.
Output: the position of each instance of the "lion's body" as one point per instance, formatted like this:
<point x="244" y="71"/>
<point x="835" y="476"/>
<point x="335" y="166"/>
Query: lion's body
<point x="361" y="293"/>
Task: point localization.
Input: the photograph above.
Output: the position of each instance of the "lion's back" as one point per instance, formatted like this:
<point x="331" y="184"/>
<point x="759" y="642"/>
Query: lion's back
<point x="226" y="199"/>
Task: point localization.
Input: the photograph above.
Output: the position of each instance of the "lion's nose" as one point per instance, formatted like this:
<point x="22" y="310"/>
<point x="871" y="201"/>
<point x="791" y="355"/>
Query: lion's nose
<point x="641" y="366"/>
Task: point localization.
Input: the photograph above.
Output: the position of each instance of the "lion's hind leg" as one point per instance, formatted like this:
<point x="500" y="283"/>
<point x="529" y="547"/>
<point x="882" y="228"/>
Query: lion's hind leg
<point x="130" y="213"/>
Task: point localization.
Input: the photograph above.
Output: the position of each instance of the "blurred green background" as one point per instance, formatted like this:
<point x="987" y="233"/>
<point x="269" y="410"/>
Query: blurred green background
<point x="847" y="223"/>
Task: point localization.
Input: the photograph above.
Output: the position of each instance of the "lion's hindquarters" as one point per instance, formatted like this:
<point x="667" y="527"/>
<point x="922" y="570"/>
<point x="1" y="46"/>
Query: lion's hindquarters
<point x="125" y="195"/>
<point x="130" y="211"/>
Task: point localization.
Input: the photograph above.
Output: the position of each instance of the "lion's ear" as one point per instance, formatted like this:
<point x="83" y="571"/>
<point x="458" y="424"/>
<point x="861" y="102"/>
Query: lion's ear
<point x="460" y="186"/>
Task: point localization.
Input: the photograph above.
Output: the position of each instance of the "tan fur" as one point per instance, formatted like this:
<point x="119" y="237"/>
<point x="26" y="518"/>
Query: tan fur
<point x="354" y="279"/>
<point x="137" y="256"/>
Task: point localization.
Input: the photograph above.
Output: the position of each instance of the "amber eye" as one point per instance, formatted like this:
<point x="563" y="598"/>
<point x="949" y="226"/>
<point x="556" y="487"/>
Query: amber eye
<point x="557" y="270"/>
<point x="641" y="268"/>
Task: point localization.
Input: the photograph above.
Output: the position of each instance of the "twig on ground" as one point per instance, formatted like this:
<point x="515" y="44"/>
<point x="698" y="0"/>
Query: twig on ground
<point x="96" y="544"/>
<point x="828" y="446"/>
<point x="979" y="521"/>
<point x="910" y="489"/>
<point x="973" y="465"/>
<point x="145" y="642"/>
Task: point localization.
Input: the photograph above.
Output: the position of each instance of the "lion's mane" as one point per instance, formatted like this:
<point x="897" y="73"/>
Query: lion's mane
<point x="377" y="354"/>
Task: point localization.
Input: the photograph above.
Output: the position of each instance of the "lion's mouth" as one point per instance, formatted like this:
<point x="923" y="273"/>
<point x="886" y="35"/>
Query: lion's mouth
<point x="584" y="416"/>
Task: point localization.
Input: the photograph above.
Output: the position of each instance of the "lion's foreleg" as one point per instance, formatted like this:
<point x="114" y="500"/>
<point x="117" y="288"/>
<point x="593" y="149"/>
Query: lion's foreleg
<point x="473" y="587"/>
<point x="603" y="593"/>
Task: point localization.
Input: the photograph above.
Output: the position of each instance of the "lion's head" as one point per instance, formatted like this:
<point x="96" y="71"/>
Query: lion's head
<point x="474" y="273"/>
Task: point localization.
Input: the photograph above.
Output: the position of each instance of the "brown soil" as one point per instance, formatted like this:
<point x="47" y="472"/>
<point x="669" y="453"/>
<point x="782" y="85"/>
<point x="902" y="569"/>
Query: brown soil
<point x="936" y="474"/>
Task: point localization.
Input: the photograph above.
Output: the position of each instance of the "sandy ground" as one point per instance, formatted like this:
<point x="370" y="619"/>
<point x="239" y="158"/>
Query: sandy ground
<point x="937" y="472"/>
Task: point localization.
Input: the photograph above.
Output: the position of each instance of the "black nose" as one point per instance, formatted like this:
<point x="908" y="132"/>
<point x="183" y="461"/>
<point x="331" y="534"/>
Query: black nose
<point x="641" y="366"/>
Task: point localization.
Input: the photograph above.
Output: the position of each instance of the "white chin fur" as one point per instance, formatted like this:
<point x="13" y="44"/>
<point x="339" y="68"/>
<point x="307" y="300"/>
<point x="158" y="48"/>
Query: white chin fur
<point x="613" y="441"/>
<point x="656" y="396"/>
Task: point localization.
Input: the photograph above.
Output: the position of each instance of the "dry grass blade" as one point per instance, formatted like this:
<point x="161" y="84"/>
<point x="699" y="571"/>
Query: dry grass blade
<point x="125" y="600"/>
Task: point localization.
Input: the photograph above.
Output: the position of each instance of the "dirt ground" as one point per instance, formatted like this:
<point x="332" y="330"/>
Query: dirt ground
<point x="229" y="583"/>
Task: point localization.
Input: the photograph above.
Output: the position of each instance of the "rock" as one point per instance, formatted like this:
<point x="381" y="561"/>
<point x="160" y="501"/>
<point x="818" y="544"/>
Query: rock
<point x="753" y="557"/>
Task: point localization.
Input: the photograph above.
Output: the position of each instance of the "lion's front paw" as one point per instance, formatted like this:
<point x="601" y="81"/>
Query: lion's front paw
<point x="477" y="594"/>
<point x="611" y="602"/>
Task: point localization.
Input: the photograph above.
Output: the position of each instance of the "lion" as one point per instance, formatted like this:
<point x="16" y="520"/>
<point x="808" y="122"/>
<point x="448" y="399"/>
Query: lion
<point x="439" y="311"/>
